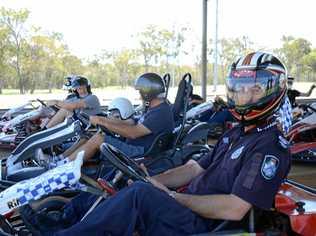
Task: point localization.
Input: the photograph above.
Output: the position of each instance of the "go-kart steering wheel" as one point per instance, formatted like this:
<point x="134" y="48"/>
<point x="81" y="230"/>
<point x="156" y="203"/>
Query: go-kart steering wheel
<point x="55" y="108"/>
<point x="122" y="162"/>
<point x="84" y="118"/>
<point x="41" y="102"/>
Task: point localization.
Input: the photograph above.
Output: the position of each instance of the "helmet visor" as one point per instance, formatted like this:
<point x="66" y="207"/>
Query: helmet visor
<point x="246" y="88"/>
<point x="114" y="114"/>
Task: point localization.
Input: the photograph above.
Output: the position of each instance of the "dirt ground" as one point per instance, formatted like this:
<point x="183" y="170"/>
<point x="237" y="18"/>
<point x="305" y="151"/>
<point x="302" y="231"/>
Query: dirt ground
<point x="304" y="173"/>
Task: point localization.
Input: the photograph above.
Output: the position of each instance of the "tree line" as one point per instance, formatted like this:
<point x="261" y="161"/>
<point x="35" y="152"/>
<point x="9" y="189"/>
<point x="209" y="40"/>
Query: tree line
<point x="32" y="59"/>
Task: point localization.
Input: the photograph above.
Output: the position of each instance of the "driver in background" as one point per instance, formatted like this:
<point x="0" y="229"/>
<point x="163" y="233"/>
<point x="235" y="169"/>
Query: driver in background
<point x="85" y="101"/>
<point x="293" y="93"/>
<point x="245" y="169"/>
<point x="157" y="119"/>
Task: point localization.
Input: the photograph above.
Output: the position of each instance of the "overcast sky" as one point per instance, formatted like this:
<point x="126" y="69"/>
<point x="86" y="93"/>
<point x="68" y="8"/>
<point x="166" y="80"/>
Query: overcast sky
<point x="90" y="26"/>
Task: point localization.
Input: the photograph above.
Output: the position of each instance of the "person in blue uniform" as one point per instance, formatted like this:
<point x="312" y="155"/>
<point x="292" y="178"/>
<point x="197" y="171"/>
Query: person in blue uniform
<point x="294" y="93"/>
<point x="136" y="137"/>
<point x="245" y="169"/>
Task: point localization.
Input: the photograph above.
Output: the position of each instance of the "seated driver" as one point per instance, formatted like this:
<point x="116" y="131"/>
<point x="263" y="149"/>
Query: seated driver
<point x="245" y="169"/>
<point x="293" y="93"/>
<point x="85" y="101"/>
<point x="157" y="119"/>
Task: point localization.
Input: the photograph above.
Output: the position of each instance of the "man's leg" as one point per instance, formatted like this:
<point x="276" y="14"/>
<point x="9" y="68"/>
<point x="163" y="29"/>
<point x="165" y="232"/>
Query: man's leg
<point x="74" y="147"/>
<point x="90" y="148"/>
<point x="140" y="207"/>
<point x="58" y="118"/>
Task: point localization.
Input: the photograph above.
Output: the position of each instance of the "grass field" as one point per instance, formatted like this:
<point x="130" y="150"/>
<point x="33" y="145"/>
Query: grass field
<point x="11" y="98"/>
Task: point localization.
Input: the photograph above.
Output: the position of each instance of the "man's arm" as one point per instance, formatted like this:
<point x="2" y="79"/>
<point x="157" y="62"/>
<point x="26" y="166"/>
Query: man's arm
<point x="122" y="128"/>
<point x="180" y="176"/>
<point x="217" y="206"/>
<point x="224" y="206"/>
<point x="309" y="92"/>
<point x="70" y="106"/>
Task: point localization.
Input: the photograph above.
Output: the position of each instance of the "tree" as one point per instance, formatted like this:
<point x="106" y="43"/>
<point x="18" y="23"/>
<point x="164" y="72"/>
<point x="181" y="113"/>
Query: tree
<point x="309" y="62"/>
<point x="292" y="53"/>
<point x="14" y="22"/>
<point x="233" y="48"/>
<point x="4" y="47"/>
<point x="151" y="45"/>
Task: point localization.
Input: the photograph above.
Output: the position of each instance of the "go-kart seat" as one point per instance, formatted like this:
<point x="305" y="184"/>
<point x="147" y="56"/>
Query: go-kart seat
<point x="161" y="143"/>
<point x="184" y="90"/>
<point x="199" y="132"/>
<point x="176" y="148"/>
<point x="227" y="227"/>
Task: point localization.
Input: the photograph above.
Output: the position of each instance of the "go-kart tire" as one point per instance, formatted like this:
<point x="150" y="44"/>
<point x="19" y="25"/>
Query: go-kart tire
<point x="43" y="215"/>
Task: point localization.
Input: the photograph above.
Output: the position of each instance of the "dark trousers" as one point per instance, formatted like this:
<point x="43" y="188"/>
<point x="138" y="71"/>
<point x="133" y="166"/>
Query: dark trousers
<point x="140" y="207"/>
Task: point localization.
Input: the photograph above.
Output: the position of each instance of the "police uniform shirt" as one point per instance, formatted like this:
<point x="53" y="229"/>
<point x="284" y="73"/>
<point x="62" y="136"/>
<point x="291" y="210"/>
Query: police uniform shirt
<point x="250" y="166"/>
<point x="157" y="119"/>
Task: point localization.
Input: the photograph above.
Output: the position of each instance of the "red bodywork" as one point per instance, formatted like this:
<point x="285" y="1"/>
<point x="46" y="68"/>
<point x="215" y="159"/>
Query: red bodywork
<point x="299" y="147"/>
<point x="302" y="221"/>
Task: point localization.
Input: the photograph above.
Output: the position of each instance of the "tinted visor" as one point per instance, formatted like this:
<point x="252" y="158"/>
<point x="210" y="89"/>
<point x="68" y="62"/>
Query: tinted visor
<point x="79" y="81"/>
<point x="246" y="88"/>
<point x="114" y="114"/>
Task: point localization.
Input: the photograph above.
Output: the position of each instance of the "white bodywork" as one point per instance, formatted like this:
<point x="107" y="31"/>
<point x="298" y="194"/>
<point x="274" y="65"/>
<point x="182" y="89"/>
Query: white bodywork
<point x="41" y="111"/>
<point x="58" y="178"/>
<point x="199" y="109"/>
<point x="14" y="110"/>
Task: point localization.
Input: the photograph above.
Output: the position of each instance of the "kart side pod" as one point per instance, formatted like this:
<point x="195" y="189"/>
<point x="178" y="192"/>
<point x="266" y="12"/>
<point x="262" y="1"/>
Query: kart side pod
<point x="23" y="192"/>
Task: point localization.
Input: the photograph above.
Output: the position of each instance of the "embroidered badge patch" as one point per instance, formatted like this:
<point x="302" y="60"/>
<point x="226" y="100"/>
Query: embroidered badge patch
<point x="269" y="166"/>
<point x="237" y="153"/>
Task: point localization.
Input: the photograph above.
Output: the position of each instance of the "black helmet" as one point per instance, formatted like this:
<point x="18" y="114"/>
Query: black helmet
<point x="150" y="86"/>
<point x="78" y="81"/>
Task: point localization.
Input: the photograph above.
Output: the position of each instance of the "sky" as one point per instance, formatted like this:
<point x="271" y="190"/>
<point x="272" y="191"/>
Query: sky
<point x="90" y="26"/>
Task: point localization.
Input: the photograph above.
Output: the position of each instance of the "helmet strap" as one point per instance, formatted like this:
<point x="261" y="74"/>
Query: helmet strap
<point x="147" y="104"/>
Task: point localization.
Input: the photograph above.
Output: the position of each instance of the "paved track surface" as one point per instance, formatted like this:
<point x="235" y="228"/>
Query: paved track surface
<point x="304" y="173"/>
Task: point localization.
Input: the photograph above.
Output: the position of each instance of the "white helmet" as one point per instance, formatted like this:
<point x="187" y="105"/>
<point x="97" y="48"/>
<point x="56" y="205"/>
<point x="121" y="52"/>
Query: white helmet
<point x="123" y="106"/>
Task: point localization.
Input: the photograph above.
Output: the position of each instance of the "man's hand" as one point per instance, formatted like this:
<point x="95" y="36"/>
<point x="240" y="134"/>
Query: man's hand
<point x="143" y="167"/>
<point x="94" y="120"/>
<point x="154" y="182"/>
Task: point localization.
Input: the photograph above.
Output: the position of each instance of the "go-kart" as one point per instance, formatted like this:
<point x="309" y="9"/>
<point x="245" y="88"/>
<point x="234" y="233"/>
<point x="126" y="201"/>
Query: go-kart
<point x="294" y="211"/>
<point x="8" y="115"/>
<point x="302" y="137"/>
<point x="21" y="164"/>
<point x="46" y="194"/>
<point x="14" y="130"/>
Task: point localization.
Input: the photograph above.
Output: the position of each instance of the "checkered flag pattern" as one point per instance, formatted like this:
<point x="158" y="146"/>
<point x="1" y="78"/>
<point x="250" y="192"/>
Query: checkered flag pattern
<point x="53" y="183"/>
<point x="285" y="116"/>
<point x="23" y="192"/>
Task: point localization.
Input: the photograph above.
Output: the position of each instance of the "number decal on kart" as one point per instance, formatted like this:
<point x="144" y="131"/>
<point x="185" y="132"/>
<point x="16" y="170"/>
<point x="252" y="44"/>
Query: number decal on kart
<point x="14" y="203"/>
